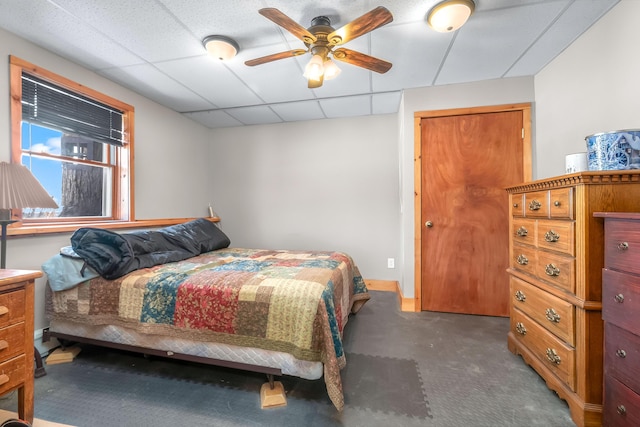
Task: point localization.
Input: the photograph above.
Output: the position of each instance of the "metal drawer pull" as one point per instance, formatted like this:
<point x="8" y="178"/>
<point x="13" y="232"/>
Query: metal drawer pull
<point x="3" y="310"/>
<point x="515" y="205"/>
<point x="552" y="270"/>
<point x="4" y="378"/>
<point x="522" y="232"/>
<point x="521" y="329"/>
<point x="552" y="315"/>
<point x="535" y="205"/>
<point x="621" y="353"/>
<point x="623" y="246"/>
<point x="621" y="409"/>
<point x="3" y="344"/>
<point x="556" y="203"/>
<point x="520" y="296"/>
<point x="551" y="236"/>
<point x="522" y="260"/>
<point x="619" y="298"/>
<point x="553" y="357"/>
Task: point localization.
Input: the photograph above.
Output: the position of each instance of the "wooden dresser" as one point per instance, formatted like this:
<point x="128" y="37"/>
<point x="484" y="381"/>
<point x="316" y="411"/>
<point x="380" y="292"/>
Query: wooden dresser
<point x="556" y="260"/>
<point x="621" y="314"/>
<point x="16" y="337"/>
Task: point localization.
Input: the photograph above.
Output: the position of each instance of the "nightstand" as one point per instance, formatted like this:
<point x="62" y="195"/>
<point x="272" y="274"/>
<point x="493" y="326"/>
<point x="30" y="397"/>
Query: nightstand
<point x="16" y="337"/>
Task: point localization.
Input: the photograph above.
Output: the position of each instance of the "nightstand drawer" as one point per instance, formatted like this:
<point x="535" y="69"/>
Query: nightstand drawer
<point x="553" y="352"/>
<point x="621" y="300"/>
<point x="12" y="307"/>
<point x="622" y="246"/>
<point x="622" y="356"/>
<point x="552" y="313"/>
<point x="621" y="405"/>
<point x="12" y="373"/>
<point x="11" y="341"/>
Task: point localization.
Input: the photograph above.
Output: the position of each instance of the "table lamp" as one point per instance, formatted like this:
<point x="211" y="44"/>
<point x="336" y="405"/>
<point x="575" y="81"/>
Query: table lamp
<point x="19" y="189"/>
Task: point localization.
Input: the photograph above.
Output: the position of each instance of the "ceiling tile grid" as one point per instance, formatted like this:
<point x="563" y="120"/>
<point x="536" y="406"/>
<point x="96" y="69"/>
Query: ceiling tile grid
<point x="154" y="47"/>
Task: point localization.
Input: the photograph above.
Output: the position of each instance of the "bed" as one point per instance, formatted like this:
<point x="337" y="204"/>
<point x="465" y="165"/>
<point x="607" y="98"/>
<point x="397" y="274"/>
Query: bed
<point x="280" y="312"/>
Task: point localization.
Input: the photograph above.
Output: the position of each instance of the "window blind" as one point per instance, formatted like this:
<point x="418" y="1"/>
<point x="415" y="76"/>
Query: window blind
<point x="50" y="105"/>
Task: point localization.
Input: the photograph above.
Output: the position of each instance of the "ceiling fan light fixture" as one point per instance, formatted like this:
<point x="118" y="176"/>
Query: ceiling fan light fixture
<point x="221" y="47"/>
<point x="450" y="15"/>
<point x="331" y="70"/>
<point x="314" y="69"/>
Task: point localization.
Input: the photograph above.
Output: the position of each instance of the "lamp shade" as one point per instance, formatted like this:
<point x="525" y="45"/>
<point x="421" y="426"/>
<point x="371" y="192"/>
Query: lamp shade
<point x="450" y="15"/>
<point x="221" y="47"/>
<point x="20" y="189"/>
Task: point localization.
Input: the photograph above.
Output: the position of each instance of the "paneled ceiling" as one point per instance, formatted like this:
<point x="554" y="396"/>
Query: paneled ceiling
<point x="154" y="47"/>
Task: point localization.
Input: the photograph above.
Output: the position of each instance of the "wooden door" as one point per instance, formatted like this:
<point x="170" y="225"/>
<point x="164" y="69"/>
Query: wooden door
<point x="467" y="161"/>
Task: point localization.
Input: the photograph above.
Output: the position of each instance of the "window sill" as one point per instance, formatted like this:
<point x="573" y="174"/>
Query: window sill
<point x="23" y="230"/>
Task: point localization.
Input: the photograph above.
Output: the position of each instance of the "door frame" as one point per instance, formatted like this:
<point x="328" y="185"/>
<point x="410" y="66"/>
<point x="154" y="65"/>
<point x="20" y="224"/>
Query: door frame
<point x="525" y="108"/>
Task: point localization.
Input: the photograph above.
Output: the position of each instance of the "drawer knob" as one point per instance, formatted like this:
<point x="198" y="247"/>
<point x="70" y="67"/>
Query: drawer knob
<point x="621" y="409"/>
<point x="623" y="246"/>
<point x="522" y="260"/>
<point x="520" y="296"/>
<point x="556" y="203"/>
<point x="515" y="205"/>
<point x="552" y="315"/>
<point x="522" y="232"/>
<point x="621" y="353"/>
<point x="521" y="329"/>
<point x="551" y="236"/>
<point x="551" y="270"/>
<point x="4" y="378"/>
<point x="3" y="310"/>
<point x="619" y="298"/>
<point x="535" y="205"/>
<point x="552" y="356"/>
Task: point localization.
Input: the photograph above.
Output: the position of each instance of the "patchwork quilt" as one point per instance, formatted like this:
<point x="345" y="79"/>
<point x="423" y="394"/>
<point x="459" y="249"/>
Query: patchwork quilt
<point x="296" y="302"/>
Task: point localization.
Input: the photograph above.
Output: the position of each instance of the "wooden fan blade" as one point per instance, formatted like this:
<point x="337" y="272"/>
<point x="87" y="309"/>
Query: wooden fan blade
<point x="361" y="60"/>
<point x="288" y="24"/>
<point x="312" y="84"/>
<point x="275" y="57"/>
<point x="368" y="22"/>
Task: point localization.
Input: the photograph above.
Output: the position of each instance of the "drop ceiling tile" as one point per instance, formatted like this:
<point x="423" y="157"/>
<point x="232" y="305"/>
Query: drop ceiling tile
<point x="568" y="27"/>
<point x="214" y="119"/>
<point x="211" y="79"/>
<point x="481" y="49"/>
<point x="296" y="111"/>
<point x="258" y="115"/>
<point x="149" y="82"/>
<point x="348" y="106"/>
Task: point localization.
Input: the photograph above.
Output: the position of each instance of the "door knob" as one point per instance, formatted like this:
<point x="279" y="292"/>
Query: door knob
<point x="429" y="224"/>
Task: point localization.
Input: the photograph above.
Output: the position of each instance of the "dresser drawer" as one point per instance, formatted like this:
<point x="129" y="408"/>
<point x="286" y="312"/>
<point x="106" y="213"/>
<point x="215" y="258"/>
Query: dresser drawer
<point x="523" y="258"/>
<point x="11" y="341"/>
<point x="621" y="405"/>
<point x="524" y="231"/>
<point x="621" y="300"/>
<point x="549" y="311"/>
<point x="556" y="236"/>
<point x="556" y="269"/>
<point x="555" y="354"/>
<point x="622" y="356"/>
<point x="517" y="204"/>
<point x="12" y="373"/>
<point x="561" y="203"/>
<point x="622" y="246"/>
<point x="12" y="307"/>
<point x="536" y="204"/>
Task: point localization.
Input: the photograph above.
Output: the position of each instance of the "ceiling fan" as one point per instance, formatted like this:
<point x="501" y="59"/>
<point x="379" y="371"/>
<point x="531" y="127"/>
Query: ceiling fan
<point x="321" y="40"/>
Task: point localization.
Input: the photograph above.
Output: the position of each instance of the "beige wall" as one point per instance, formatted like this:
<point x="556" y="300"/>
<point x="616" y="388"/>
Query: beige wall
<point x="593" y="86"/>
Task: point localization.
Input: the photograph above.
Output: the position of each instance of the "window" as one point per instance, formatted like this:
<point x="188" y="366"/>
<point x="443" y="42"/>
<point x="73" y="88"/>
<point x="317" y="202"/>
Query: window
<point x="76" y="141"/>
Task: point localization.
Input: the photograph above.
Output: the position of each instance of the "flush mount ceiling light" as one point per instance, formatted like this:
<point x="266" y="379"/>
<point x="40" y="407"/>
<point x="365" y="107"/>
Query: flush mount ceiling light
<point x="221" y="47"/>
<point x="450" y="15"/>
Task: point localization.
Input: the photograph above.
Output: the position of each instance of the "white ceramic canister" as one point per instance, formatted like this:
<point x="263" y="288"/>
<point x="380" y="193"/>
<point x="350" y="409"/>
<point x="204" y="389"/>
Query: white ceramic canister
<point x="576" y="162"/>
